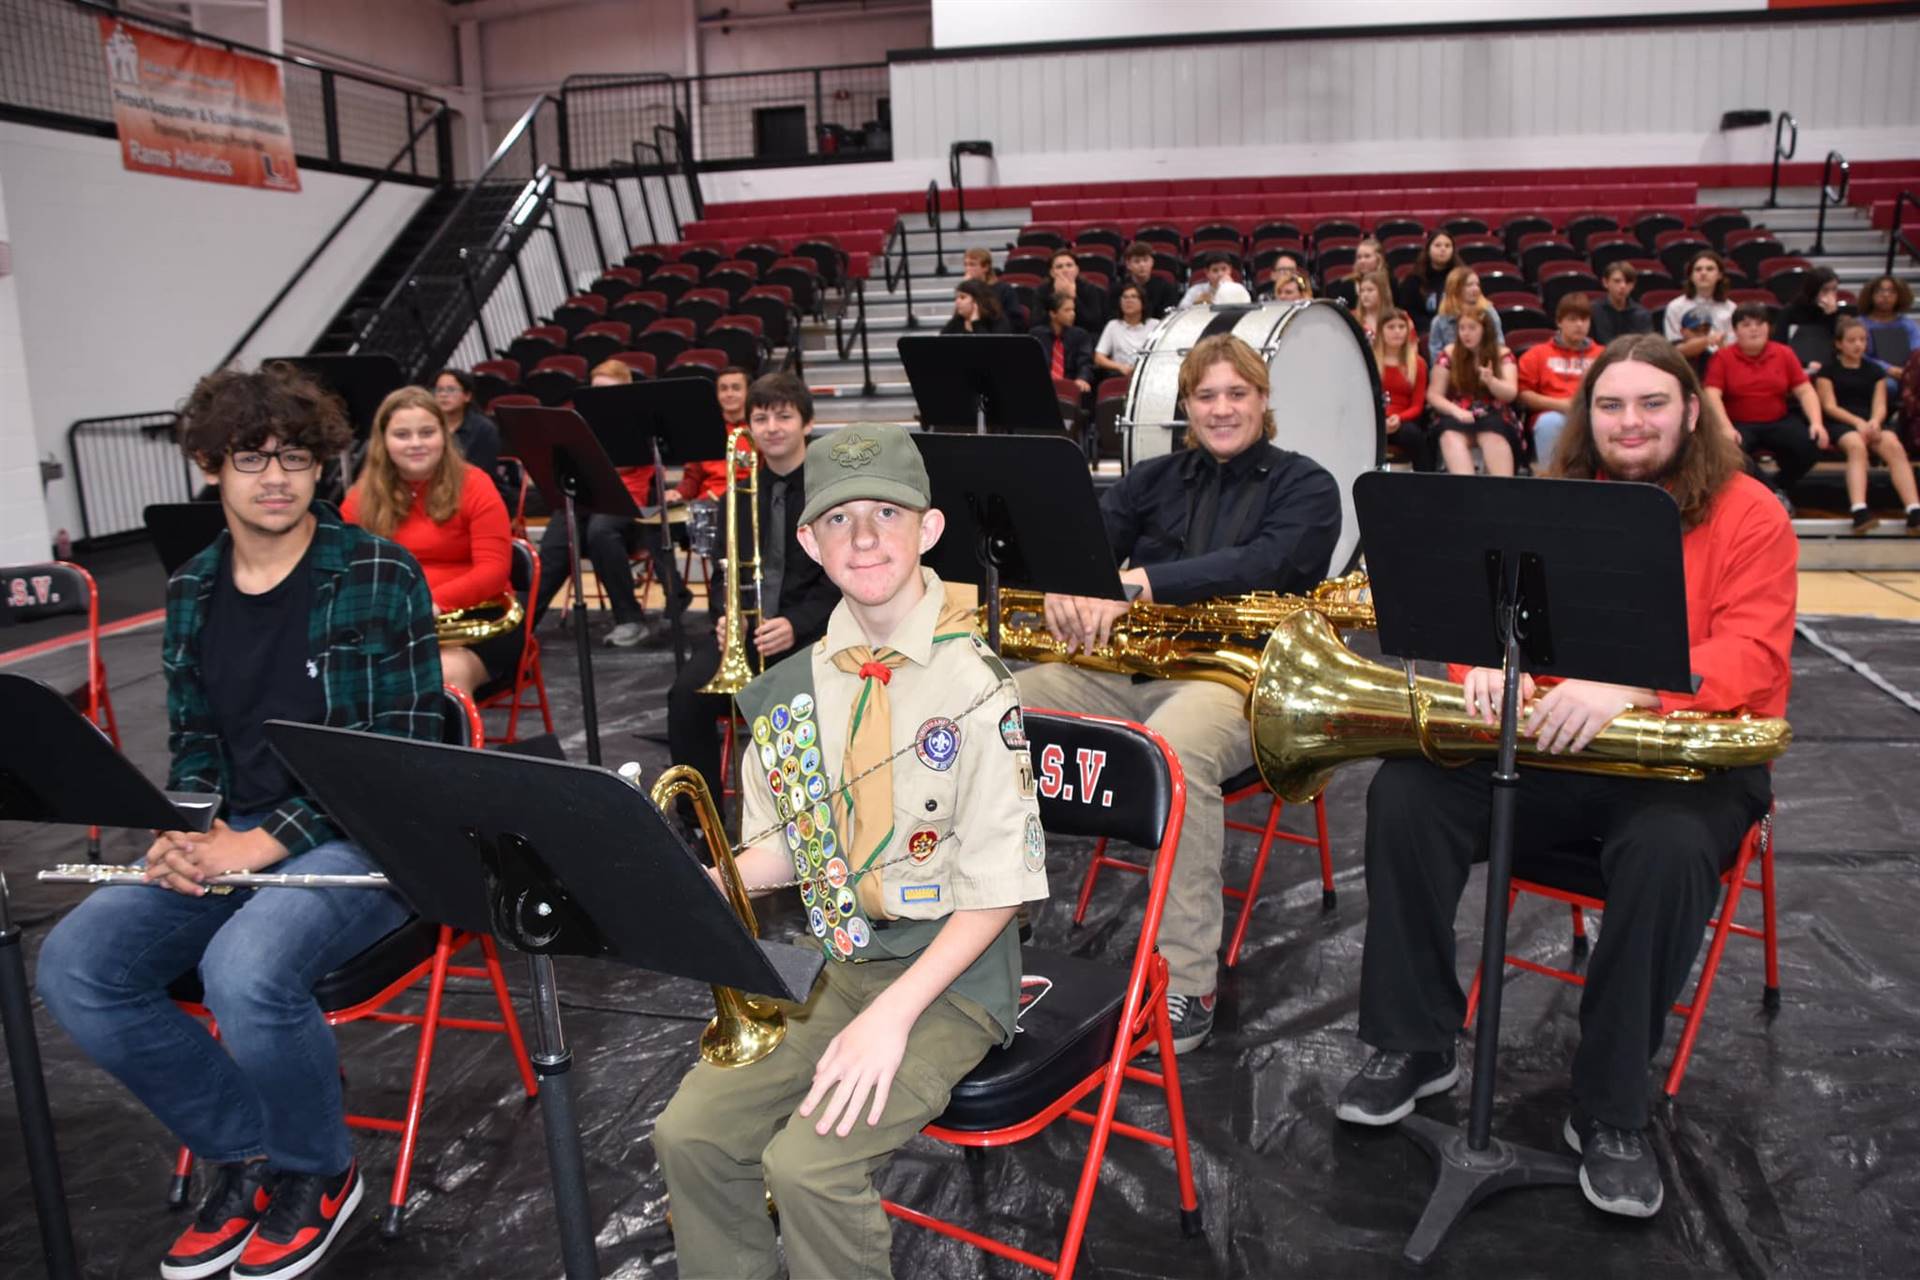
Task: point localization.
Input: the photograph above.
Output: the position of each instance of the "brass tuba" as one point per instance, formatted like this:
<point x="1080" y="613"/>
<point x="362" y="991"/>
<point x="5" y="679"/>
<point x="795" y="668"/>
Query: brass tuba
<point x="743" y="1029"/>
<point x="460" y="627"/>
<point x="736" y="672"/>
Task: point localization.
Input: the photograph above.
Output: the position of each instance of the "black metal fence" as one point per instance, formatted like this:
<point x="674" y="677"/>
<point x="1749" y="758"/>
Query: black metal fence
<point x="120" y="465"/>
<point x="52" y="69"/>
<point x="748" y="119"/>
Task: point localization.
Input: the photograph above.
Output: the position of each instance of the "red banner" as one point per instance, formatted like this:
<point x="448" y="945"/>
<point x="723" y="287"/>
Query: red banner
<point x="197" y="111"/>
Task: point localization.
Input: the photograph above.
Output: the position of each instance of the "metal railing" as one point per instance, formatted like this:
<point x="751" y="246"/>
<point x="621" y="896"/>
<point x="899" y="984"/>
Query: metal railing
<point x="904" y="275"/>
<point x="1829" y="194"/>
<point x="666" y="181"/>
<point x="853" y="294"/>
<point x="747" y="119"/>
<point x="121" y="465"/>
<point x="1897" y="237"/>
<point x="51" y="73"/>
<point x="1781" y="126"/>
<point x="939" y="240"/>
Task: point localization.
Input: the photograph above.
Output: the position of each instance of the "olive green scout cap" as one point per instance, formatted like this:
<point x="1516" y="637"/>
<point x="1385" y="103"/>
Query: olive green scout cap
<point x="878" y="462"/>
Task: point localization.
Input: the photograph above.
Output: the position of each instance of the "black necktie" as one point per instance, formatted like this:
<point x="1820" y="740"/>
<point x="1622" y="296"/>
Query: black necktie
<point x="773" y="552"/>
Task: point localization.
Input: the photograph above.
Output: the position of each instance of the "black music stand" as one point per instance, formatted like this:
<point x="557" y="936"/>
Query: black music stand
<point x="57" y="767"/>
<point x="659" y="421"/>
<point x="552" y="859"/>
<point x="566" y="460"/>
<point x="1021" y="512"/>
<point x="1574" y="578"/>
<point x="975" y="381"/>
<point x="182" y="530"/>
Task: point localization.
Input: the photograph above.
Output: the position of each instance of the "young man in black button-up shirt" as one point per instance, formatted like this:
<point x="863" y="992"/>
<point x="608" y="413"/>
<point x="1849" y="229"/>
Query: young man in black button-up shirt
<point x="798" y="596"/>
<point x="1230" y="514"/>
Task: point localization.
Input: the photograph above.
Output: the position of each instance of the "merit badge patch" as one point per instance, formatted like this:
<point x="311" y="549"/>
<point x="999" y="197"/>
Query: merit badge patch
<point x="937" y="743"/>
<point x="769" y="758"/>
<point x="784" y="744"/>
<point x="922" y="843"/>
<point x="1036" y="844"/>
<point x="836" y="872"/>
<point x="809" y="758"/>
<point x="816" y="786"/>
<point x="762" y="730"/>
<point x="857" y="930"/>
<point x="801" y="706"/>
<point x="823" y="817"/>
<point x="803" y="822"/>
<point x="782" y="718"/>
<point x="1013" y="730"/>
<point x="805" y="734"/>
<point x="842" y="943"/>
<point x="791" y="767"/>
<point x="829" y="843"/>
<point x="843" y="902"/>
<point x="817" y="921"/>
<point x="776" y="781"/>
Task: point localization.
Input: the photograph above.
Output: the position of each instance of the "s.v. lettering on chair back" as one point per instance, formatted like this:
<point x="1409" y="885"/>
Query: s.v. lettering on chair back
<point x="47" y="590"/>
<point x="1093" y="781"/>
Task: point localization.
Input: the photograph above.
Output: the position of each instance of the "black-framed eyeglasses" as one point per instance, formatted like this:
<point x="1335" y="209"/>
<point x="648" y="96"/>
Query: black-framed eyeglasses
<point x="253" y="461"/>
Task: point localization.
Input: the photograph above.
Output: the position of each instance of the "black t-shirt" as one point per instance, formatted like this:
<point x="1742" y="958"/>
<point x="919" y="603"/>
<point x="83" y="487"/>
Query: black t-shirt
<point x="1853" y="388"/>
<point x="255" y="666"/>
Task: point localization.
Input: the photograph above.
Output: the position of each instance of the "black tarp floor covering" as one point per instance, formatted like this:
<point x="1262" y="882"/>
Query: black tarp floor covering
<point x="1793" y="1149"/>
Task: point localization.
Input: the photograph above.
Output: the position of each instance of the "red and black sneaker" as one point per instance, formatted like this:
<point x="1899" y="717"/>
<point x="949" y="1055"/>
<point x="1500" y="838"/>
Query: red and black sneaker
<point x="234" y="1204"/>
<point x="300" y="1225"/>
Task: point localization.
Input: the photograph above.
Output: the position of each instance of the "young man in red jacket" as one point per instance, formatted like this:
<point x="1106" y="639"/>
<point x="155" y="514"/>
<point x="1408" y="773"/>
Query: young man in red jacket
<point x="1659" y="847"/>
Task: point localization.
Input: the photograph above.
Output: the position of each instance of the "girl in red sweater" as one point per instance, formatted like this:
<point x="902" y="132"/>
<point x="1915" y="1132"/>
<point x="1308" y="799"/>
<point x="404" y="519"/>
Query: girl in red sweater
<point x="417" y="490"/>
<point x="1403" y="386"/>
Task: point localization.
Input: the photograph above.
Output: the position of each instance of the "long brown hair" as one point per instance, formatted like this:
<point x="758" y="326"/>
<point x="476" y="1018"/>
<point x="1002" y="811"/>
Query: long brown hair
<point x="1708" y="456"/>
<point x="1409" y="357"/>
<point x="385" y="496"/>
<point x="1451" y="303"/>
<point x="1466" y="361"/>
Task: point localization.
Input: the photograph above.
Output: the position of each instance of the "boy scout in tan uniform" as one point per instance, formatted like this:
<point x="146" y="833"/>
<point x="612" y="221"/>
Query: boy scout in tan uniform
<point x="890" y="775"/>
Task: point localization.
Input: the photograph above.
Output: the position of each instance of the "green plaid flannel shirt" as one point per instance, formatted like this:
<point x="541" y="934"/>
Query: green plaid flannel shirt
<point x="371" y="633"/>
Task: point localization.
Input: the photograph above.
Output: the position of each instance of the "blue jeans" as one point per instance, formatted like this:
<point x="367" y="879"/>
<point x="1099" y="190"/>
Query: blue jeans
<point x="1546" y="432"/>
<point x="271" y="1084"/>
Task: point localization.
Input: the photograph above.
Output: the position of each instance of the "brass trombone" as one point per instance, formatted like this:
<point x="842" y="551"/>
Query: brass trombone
<point x="736" y="671"/>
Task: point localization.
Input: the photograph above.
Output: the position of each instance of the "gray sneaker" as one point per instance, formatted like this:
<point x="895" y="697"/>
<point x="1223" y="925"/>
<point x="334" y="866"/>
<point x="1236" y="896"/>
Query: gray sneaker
<point x="627" y="635"/>
<point x="1192" y="1019"/>
<point x="1618" y="1171"/>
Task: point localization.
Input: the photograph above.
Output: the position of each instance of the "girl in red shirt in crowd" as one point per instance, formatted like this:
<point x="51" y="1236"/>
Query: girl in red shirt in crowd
<point x="417" y="490"/>
<point x="1474" y="381"/>
<point x="1403" y="386"/>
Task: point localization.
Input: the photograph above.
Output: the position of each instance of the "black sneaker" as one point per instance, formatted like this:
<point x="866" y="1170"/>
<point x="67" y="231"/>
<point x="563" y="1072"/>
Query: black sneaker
<point x="1913" y="520"/>
<point x="300" y="1225"/>
<point x="234" y="1203"/>
<point x="1617" y="1170"/>
<point x="1384" y="1091"/>
<point x="1192" y="1019"/>
<point x="1863" y="520"/>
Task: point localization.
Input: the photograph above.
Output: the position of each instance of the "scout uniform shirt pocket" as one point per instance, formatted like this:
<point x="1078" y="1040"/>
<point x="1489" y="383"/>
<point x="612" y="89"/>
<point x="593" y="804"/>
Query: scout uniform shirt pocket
<point x="913" y="882"/>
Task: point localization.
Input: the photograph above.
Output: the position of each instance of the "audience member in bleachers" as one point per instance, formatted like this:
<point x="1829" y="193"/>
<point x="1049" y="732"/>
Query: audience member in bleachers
<point x="477" y="435"/>
<point x="1219" y="287"/>
<point x="1756" y="384"/>
<point x="1403" y="386"/>
<point x="1372" y="299"/>
<point x="1550" y="373"/>
<point x="1704" y="287"/>
<point x="416" y="489"/>
<point x="975" y="310"/>
<point x="1425" y="285"/>
<point x="1474" y="379"/>
<point x="978" y="265"/>
<point x="1853" y="403"/>
<point x="1696" y="329"/>
<point x="1618" y="315"/>
<point x="1122" y="340"/>
<point x="1461" y="297"/>
<point x="1815" y="308"/>
<point x="1162" y="295"/>
<point x="707" y="478"/>
<point x="1068" y="349"/>
<point x="1367" y="258"/>
<point x="1291" y="287"/>
<point x="608" y="541"/>
<point x="1892" y="334"/>
<point x="1289" y="264"/>
<point x="1089" y="301"/>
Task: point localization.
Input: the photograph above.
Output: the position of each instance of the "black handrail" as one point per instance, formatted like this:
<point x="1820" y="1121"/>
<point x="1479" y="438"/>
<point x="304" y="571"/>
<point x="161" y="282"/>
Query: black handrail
<point x="646" y="205"/>
<point x="843" y="340"/>
<point x="300" y="271"/>
<point x="905" y="276"/>
<point x="1896" y="235"/>
<point x="939" y="241"/>
<point x="682" y="154"/>
<point x="1786" y="121"/>
<point x="1828" y="194"/>
<point x="521" y="127"/>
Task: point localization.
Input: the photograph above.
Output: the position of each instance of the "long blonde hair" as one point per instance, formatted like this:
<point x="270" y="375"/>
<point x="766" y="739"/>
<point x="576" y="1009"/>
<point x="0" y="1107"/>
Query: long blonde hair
<point x="1451" y="303"/>
<point x="1409" y="358"/>
<point x="385" y="496"/>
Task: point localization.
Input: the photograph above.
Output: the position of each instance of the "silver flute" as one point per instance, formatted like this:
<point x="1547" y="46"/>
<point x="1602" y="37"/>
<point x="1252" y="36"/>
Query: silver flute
<point x="97" y="873"/>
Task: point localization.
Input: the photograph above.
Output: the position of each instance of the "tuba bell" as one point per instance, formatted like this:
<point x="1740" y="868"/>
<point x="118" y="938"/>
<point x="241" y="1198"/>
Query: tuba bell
<point x="736" y="672"/>
<point x="743" y="1029"/>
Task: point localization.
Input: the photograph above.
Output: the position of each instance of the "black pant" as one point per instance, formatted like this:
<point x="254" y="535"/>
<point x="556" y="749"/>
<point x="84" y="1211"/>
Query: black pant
<point x="693" y="718"/>
<point x="1421" y="440"/>
<point x="1790" y="442"/>
<point x="608" y="542"/>
<point x="1658" y="847"/>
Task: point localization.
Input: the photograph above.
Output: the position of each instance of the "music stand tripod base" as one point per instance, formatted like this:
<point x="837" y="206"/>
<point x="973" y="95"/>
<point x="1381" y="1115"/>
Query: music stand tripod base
<point x="1464" y="1177"/>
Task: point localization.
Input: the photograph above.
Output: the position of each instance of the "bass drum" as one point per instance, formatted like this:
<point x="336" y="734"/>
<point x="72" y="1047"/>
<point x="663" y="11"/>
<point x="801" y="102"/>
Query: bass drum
<point x="1325" y="392"/>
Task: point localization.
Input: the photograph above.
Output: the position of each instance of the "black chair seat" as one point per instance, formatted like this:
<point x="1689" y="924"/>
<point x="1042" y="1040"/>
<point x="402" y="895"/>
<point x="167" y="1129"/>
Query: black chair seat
<point x="1064" y="1038"/>
<point x="359" y="979"/>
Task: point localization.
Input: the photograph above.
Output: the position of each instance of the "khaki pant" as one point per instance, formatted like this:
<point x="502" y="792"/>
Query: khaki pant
<point x="732" y="1133"/>
<point x="1206" y="725"/>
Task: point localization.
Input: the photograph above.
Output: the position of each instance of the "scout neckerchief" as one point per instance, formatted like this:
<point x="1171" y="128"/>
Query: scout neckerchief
<point x="867" y="816"/>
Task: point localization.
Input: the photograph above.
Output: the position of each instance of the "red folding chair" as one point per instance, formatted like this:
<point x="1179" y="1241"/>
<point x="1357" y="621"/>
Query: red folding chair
<point x="1081" y="1035"/>
<point x="1242" y="786"/>
<point x="53" y="589"/>
<point x="1757" y="845"/>
<point x="527" y="679"/>
<point x="419" y="951"/>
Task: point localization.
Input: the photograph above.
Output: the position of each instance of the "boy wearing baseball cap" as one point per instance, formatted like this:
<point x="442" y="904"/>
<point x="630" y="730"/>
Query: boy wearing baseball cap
<point x="888" y="779"/>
